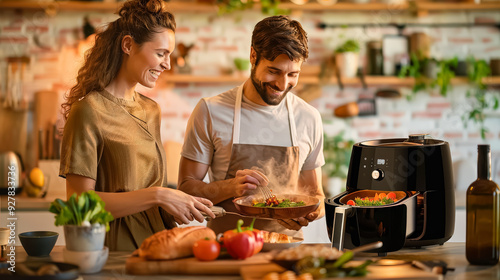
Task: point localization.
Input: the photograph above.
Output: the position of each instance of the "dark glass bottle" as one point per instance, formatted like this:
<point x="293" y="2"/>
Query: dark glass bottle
<point x="483" y="214"/>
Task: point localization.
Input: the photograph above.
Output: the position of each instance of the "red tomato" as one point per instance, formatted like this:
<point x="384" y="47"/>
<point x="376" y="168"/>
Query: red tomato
<point x="351" y="202"/>
<point x="391" y="195"/>
<point x="206" y="249"/>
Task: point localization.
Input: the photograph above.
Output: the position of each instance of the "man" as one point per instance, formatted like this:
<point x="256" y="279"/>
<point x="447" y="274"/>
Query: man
<point x="258" y="133"/>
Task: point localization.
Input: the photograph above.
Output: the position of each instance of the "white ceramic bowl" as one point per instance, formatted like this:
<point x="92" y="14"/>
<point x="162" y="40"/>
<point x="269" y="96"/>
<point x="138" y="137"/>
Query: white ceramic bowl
<point x="295" y="241"/>
<point x="89" y="262"/>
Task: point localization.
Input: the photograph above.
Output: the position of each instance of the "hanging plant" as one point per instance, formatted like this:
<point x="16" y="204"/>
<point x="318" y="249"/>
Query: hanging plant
<point x="478" y="70"/>
<point x="415" y="70"/>
<point x="445" y="74"/>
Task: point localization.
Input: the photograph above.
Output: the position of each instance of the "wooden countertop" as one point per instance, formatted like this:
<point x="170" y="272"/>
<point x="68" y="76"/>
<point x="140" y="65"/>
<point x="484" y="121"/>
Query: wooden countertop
<point x="452" y="253"/>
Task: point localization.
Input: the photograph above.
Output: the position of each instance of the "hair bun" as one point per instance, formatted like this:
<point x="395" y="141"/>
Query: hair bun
<point x="141" y="6"/>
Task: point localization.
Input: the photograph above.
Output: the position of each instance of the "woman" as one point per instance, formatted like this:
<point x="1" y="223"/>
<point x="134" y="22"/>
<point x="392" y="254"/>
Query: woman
<point x="111" y="141"/>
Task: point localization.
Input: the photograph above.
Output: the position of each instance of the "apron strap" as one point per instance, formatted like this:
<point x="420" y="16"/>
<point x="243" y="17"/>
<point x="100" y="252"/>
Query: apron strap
<point x="237" y="118"/>
<point x="291" y="120"/>
<point x="237" y="115"/>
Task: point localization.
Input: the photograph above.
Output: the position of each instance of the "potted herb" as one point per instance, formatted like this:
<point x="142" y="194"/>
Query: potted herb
<point x="268" y="7"/>
<point x="84" y="219"/>
<point x="337" y="151"/>
<point x="347" y="58"/>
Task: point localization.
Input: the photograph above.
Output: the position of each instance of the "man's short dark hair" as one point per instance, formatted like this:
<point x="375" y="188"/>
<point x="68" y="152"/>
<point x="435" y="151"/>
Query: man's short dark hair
<point x="277" y="35"/>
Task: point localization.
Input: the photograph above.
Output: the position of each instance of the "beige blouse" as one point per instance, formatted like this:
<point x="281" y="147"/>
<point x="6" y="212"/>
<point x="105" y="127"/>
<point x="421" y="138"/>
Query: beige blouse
<point x="117" y="143"/>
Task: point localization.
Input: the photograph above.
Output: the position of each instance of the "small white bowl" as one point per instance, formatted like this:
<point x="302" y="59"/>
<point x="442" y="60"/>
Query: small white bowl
<point x="89" y="262"/>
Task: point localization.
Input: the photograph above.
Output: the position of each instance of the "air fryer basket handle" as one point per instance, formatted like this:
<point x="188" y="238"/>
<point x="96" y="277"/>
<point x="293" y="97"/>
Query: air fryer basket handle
<point x="338" y="229"/>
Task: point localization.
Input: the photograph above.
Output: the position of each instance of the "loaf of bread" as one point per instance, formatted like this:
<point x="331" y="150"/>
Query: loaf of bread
<point x="173" y="243"/>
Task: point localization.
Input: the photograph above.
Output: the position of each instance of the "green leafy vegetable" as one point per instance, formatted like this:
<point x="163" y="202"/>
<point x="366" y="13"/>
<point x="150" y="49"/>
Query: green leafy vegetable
<point x="86" y="208"/>
<point x="366" y="202"/>
<point x="283" y="203"/>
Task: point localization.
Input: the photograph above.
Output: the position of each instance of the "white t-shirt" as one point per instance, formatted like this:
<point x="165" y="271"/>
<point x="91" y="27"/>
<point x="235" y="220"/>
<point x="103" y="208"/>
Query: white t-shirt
<point x="209" y="131"/>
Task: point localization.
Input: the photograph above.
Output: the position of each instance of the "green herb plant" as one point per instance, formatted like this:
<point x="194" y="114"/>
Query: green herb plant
<point x="337" y="152"/>
<point x="348" y="46"/>
<point x="445" y="74"/>
<point x="268" y="7"/>
<point x="478" y="70"/>
<point x="415" y="70"/>
<point x="86" y="209"/>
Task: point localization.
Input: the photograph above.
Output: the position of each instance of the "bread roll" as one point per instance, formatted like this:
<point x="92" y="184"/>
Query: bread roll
<point x="173" y="243"/>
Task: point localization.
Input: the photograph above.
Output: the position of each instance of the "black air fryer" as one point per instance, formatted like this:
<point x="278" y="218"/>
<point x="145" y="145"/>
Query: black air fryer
<point x="419" y="171"/>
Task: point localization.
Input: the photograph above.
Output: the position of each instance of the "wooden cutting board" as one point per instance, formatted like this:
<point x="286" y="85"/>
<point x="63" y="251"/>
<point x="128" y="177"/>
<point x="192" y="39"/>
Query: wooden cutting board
<point x="404" y="272"/>
<point x="191" y="266"/>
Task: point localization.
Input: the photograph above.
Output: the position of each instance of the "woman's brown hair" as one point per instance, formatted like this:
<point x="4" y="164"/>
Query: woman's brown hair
<point x="278" y="35"/>
<point x="138" y="18"/>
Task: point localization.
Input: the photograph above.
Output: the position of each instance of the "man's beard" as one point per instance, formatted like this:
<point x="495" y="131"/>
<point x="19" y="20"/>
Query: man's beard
<point x="261" y="89"/>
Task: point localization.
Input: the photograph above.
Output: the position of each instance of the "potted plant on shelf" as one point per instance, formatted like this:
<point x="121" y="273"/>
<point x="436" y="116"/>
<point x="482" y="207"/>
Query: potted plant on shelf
<point x="84" y="219"/>
<point x="347" y="58"/>
<point x="268" y="7"/>
<point x="337" y="151"/>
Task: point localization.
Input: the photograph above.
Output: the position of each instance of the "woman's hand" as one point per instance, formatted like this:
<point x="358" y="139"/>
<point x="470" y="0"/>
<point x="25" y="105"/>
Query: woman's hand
<point x="182" y="206"/>
<point x="247" y="180"/>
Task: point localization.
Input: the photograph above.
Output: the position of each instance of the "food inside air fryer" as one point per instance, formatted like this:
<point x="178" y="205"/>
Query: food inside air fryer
<point x="377" y="200"/>
<point x="274" y="237"/>
<point x="273" y="201"/>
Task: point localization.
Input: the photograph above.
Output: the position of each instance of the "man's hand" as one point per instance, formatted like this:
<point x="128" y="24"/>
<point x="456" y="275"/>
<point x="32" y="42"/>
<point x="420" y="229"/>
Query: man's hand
<point x="296" y="224"/>
<point x="247" y="180"/>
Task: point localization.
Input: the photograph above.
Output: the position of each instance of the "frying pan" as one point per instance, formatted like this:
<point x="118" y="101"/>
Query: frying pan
<point x="371" y="193"/>
<point x="244" y="206"/>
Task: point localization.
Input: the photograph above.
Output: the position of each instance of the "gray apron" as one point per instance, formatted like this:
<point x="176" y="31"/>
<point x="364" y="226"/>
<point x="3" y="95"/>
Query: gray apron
<point x="248" y="156"/>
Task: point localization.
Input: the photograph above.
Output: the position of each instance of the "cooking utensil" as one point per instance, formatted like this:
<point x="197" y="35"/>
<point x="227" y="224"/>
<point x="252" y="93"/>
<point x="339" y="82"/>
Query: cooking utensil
<point x="11" y="172"/>
<point x="244" y="206"/>
<point x="220" y="212"/>
<point x="266" y="192"/>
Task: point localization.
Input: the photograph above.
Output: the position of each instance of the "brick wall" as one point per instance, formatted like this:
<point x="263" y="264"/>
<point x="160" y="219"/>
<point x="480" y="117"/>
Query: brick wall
<point x="52" y="44"/>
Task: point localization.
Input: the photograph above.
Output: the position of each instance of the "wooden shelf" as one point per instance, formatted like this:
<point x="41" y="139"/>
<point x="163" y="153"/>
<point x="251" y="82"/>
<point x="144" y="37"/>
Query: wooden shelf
<point x="421" y="7"/>
<point x="437" y="6"/>
<point x="99" y="6"/>
<point x="370" y="80"/>
<point x="312" y="6"/>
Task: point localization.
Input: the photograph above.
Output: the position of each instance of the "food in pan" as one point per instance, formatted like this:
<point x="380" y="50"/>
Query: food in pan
<point x="273" y="201"/>
<point x="377" y="200"/>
